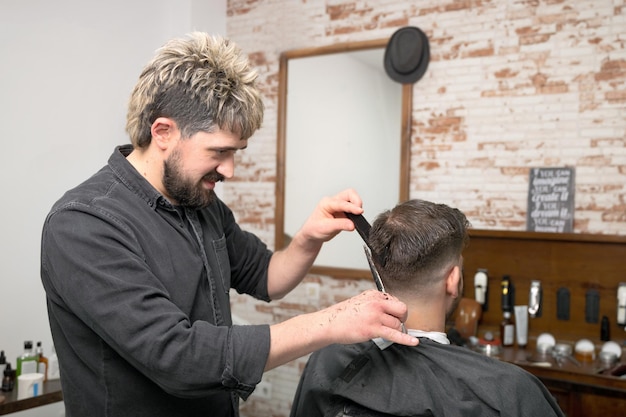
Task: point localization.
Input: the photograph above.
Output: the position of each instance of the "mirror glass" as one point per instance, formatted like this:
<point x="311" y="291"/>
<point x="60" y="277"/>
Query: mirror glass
<point x="341" y="127"/>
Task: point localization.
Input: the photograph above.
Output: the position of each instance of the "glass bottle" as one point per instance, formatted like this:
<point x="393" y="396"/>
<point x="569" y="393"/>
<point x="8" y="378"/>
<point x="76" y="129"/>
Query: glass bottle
<point x="3" y="362"/>
<point x="27" y="363"/>
<point x="507" y="330"/>
<point x="7" y="379"/>
<point x="42" y="361"/>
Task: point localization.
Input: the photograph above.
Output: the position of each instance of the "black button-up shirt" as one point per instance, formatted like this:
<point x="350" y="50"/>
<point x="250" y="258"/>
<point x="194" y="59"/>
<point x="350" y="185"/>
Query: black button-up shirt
<point x="138" y="300"/>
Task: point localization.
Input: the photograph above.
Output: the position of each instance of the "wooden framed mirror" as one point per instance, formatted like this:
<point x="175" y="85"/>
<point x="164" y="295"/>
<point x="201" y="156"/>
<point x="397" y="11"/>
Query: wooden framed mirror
<point x="342" y="123"/>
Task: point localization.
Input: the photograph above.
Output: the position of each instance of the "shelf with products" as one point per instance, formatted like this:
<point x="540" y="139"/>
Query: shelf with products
<point x="581" y="388"/>
<point x="9" y="403"/>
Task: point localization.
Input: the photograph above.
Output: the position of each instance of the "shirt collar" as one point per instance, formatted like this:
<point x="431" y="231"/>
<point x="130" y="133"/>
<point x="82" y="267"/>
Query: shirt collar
<point x="128" y="175"/>
<point x="438" y="337"/>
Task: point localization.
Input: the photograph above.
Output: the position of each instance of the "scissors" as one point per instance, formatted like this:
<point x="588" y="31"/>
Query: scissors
<point x="363" y="227"/>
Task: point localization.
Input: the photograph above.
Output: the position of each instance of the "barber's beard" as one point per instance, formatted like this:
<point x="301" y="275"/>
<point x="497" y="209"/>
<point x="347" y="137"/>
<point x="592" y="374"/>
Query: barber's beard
<point x="184" y="191"/>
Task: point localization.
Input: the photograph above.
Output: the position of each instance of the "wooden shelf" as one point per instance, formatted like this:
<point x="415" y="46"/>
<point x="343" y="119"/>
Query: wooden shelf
<point x="51" y="394"/>
<point x="581" y="391"/>
<point x="573" y="262"/>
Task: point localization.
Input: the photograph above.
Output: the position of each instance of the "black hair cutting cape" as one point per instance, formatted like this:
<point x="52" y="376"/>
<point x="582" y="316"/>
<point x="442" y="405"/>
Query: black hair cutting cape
<point x="430" y="379"/>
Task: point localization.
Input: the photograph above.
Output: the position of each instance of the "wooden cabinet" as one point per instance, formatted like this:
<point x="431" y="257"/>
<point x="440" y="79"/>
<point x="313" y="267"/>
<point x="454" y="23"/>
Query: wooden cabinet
<point x="578" y="399"/>
<point x="579" y="390"/>
<point x="576" y="263"/>
<point x="573" y="262"/>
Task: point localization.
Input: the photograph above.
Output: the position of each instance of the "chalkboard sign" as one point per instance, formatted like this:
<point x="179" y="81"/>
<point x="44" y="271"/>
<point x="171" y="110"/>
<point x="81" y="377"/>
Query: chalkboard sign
<point x="551" y="200"/>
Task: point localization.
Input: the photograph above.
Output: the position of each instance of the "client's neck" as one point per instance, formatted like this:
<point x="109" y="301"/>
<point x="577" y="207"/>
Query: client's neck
<point x="427" y="315"/>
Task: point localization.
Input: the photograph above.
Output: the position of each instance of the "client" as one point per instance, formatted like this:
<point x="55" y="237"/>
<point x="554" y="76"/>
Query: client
<point x="417" y="248"/>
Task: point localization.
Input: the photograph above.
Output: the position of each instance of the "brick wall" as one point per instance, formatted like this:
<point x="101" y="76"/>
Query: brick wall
<point x="511" y="85"/>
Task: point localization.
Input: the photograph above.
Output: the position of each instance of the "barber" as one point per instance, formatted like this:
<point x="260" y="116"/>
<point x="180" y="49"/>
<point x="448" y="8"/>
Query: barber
<point x="138" y="260"/>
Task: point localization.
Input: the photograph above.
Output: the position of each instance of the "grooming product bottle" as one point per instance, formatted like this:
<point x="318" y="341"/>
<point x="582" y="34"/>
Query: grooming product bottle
<point x="27" y="363"/>
<point x="8" y="378"/>
<point x="53" y="365"/>
<point x="521" y="325"/>
<point x="3" y="362"/>
<point x="42" y="361"/>
<point x="507" y="328"/>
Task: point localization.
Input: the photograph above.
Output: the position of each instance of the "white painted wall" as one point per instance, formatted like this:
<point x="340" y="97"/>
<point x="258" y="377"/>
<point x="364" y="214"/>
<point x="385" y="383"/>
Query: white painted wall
<point x="67" y="68"/>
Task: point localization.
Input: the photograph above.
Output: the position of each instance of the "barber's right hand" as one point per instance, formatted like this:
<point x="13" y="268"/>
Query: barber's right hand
<point x="366" y="316"/>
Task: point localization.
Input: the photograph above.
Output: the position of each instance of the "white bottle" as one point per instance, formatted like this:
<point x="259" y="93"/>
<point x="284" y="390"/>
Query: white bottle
<point x="53" y="366"/>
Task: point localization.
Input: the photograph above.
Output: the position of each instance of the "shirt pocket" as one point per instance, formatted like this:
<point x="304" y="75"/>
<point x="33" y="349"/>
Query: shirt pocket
<point x="223" y="262"/>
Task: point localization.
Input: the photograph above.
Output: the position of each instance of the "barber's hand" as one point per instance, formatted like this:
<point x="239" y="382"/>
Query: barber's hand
<point x="366" y="316"/>
<point x="328" y="218"/>
<point x="288" y="266"/>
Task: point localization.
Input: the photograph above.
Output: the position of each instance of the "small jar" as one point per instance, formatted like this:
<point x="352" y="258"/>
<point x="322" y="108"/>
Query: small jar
<point x="545" y="344"/>
<point x="612" y="347"/>
<point x="562" y="349"/>
<point x="488" y="345"/>
<point x="542" y="353"/>
<point x="607" y="359"/>
<point x="585" y="351"/>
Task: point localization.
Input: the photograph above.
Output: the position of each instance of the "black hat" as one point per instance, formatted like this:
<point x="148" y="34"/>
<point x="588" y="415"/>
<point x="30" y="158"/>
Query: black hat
<point x="407" y="55"/>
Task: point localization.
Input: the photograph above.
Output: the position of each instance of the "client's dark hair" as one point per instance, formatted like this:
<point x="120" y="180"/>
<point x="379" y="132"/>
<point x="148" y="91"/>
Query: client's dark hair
<point x="414" y="242"/>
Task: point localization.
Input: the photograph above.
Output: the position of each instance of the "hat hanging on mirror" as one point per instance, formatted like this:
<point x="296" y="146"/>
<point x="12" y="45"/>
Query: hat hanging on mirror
<point x="407" y="55"/>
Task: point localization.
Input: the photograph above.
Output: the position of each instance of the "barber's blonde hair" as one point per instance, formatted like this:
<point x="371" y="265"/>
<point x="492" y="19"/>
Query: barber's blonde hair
<point x="202" y="82"/>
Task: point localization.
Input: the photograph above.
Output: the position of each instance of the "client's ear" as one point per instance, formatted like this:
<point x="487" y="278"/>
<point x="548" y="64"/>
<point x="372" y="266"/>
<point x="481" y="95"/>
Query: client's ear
<point x="452" y="282"/>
